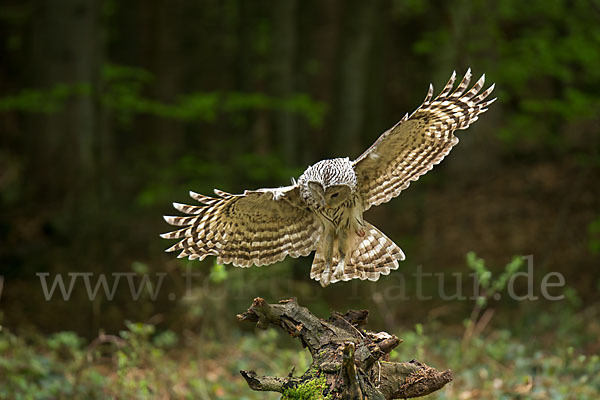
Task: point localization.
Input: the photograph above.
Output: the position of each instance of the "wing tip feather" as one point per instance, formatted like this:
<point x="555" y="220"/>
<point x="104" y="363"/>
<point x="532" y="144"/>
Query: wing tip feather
<point x="427" y="98"/>
<point x="487" y="103"/>
<point x="222" y="193"/>
<point x="181" y="207"/>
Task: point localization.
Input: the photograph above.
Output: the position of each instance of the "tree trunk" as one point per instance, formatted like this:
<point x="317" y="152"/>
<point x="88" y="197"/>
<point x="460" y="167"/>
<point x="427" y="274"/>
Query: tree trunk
<point x="348" y="361"/>
<point x="354" y="60"/>
<point x="284" y="18"/>
<point x="66" y="46"/>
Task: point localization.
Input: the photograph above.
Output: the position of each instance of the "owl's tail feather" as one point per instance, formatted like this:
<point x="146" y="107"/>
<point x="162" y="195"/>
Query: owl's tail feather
<point x="368" y="257"/>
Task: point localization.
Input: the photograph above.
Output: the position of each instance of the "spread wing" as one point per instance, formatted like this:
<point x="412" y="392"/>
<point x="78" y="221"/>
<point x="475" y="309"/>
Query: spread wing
<point x="419" y="141"/>
<point x="258" y="227"/>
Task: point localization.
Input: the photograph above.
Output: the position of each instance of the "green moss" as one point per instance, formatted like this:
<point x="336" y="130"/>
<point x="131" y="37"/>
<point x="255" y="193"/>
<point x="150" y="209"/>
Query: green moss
<point x="312" y="389"/>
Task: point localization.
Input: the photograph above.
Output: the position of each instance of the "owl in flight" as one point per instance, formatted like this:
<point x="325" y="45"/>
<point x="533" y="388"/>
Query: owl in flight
<point x="323" y="209"/>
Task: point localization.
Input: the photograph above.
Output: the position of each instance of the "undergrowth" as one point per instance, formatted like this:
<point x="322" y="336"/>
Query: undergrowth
<point x="542" y="351"/>
<point x="143" y="364"/>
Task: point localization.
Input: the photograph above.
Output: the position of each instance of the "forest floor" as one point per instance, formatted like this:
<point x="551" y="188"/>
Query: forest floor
<point x="548" y="357"/>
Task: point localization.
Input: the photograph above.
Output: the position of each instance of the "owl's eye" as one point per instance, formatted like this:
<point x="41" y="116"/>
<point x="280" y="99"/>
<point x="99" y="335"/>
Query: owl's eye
<point x="334" y="195"/>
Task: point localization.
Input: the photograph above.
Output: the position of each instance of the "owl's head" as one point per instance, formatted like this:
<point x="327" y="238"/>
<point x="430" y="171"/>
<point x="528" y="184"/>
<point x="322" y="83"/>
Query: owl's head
<point x="329" y="183"/>
<point x="331" y="196"/>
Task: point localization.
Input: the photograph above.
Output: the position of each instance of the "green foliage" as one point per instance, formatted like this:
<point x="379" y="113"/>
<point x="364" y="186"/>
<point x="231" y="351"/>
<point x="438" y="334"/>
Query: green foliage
<point x="47" y="101"/>
<point x="488" y="286"/>
<point x="122" y="95"/>
<point x="38" y="370"/>
<point x="67" y="343"/>
<point x="218" y="273"/>
<point x="311" y="389"/>
<point x="594" y="236"/>
<point x="508" y="363"/>
<point x="543" y="57"/>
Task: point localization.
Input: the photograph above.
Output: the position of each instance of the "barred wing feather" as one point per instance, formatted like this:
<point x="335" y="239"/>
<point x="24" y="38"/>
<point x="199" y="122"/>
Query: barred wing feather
<point x="419" y="141"/>
<point x="255" y="228"/>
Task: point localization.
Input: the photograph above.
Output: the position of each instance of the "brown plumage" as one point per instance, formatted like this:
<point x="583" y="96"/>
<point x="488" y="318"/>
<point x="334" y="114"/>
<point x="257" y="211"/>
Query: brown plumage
<point x="323" y="211"/>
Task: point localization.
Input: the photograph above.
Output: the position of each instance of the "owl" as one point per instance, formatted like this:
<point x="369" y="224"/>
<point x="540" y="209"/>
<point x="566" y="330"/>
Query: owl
<point x="323" y="210"/>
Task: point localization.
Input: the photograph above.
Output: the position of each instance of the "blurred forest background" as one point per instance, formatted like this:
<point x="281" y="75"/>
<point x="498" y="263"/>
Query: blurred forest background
<point x="111" y="110"/>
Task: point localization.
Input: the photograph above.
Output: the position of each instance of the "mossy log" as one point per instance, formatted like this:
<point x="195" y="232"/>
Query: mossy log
<point x="348" y="361"/>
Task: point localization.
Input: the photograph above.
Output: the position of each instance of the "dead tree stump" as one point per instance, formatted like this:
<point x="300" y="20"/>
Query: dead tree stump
<point x="348" y="361"/>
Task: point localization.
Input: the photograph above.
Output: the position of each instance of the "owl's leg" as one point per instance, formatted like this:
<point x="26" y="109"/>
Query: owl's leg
<point x="341" y="248"/>
<point x="357" y="222"/>
<point x="328" y="247"/>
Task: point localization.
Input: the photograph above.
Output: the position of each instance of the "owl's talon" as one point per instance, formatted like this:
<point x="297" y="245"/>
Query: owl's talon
<point x="325" y="280"/>
<point x="339" y="270"/>
<point x="326" y="276"/>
